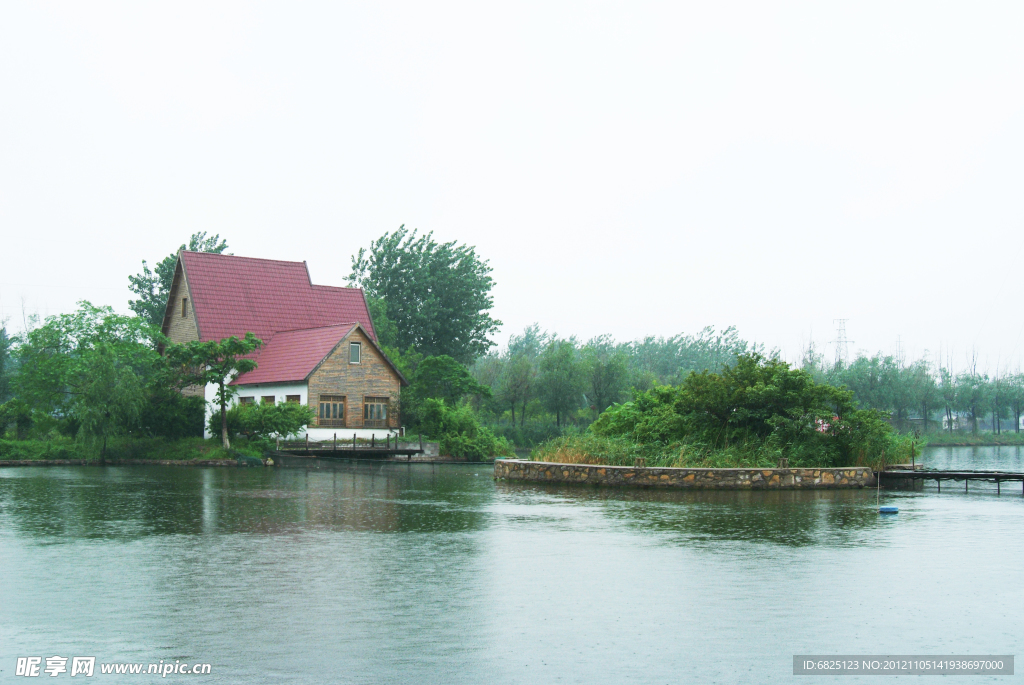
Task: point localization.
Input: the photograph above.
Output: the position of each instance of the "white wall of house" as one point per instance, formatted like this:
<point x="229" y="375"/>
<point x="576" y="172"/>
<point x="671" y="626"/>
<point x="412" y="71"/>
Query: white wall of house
<point x="281" y="390"/>
<point x="278" y="390"/>
<point x="257" y="392"/>
<point x="327" y="434"/>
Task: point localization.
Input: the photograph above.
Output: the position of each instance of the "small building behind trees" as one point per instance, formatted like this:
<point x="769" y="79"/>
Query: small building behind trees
<point x="319" y="346"/>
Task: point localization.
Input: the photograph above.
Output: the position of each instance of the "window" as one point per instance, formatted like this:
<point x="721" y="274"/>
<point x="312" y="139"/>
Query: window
<point x="375" y="412"/>
<point x="184" y="307"/>
<point x="293" y="399"/>
<point x="353" y="353"/>
<point x="332" y="411"/>
<point x="268" y="399"/>
<point x="245" y="400"/>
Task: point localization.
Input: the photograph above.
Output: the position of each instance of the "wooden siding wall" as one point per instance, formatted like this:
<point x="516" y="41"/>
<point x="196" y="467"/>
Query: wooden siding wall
<point x="180" y="328"/>
<point x="371" y="377"/>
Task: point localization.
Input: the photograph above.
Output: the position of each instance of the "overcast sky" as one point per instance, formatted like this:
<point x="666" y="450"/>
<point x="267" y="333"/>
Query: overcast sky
<point x="628" y="168"/>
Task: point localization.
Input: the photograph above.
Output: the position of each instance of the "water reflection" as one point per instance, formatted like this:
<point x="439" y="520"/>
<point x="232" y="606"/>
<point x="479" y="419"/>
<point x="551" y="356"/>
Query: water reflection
<point x="791" y="518"/>
<point x="129" y="502"/>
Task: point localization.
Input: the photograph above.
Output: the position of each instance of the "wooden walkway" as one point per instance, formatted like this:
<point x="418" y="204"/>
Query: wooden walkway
<point x="996" y="477"/>
<point x="350" y="450"/>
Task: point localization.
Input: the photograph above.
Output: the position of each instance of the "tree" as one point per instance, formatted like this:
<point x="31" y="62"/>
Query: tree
<point x="383" y="326"/>
<point x="669" y="360"/>
<point x="437" y="294"/>
<point x="445" y="379"/>
<point x="154" y="287"/>
<point x="218" y="363"/>
<point x="91" y="367"/>
<point x="758" y="401"/>
<point x="605" y="373"/>
<point x="561" y="383"/>
<point x="1015" y="398"/>
<point x="516" y="385"/>
<point x="972" y="395"/>
<point x="6" y="362"/>
<point x="998" y="393"/>
<point x="947" y="390"/>
<point x="925" y="391"/>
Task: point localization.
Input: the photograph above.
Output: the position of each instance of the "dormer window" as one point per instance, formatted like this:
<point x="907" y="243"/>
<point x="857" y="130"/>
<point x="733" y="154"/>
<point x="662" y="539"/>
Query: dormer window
<point x="184" y="307"/>
<point x="353" y="353"/>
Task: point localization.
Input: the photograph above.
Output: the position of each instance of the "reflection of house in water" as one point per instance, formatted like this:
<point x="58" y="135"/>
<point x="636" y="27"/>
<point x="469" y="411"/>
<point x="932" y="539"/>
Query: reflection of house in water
<point x="319" y="345"/>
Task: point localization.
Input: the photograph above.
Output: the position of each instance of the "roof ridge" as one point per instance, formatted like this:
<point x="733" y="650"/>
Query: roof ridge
<point x="251" y="259"/>
<point x="317" y="328"/>
<point x="337" y="287"/>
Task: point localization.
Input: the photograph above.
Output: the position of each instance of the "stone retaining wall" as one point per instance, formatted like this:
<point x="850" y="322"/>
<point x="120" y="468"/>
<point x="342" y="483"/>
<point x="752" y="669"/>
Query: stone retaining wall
<point x="119" y="462"/>
<point x="697" y="479"/>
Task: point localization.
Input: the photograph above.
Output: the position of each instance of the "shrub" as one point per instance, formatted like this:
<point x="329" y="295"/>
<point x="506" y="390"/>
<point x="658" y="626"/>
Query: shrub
<point x="264" y="420"/>
<point x="459" y="432"/>
<point x="750" y="414"/>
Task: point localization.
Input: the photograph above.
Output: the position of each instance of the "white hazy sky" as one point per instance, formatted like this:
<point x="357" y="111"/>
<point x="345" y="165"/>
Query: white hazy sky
<point x="628" y="168"/>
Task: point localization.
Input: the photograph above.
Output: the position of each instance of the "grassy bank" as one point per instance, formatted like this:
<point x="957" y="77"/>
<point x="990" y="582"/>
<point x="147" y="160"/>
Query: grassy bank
<point x="982" y="439"/>
<point x="155" y="449"/>
<point x="587" y="448"/>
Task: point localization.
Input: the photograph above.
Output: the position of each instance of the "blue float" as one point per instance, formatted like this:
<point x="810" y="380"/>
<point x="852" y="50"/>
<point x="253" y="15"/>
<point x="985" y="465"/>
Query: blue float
<point x="888" y="510"/>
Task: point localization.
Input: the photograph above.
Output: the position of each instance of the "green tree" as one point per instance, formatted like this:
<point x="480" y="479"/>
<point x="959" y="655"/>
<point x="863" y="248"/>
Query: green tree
<point x="443" y="378"/>
<point x="972" y="395"/>
<point x="605" y="373"/>
<point x="926" y="392"/>
<point x="218" y="363"/>
<point x="459" y="432"/>
<point x="870" y="380"/>
<point x="1015" y="398"/>
<point x="758" y="401"/>
<point x="669" y="360"/>
<point x="6" y="362"/>
<point x="153" y="287"/>
<point x="383" y="326"/>
<point x="998" y="393"/>
<point x="516" y="385"/>
<point x="948" y="392"/>
<point x="438" y="295"/>
<point x="560" y="379"/>
<point x="16" y="412"/>
<point x="91" y="367"/>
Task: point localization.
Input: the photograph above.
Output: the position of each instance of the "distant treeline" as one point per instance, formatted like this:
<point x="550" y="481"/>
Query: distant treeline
<point x="541" y="382"/>
<point x="924" y="396"/>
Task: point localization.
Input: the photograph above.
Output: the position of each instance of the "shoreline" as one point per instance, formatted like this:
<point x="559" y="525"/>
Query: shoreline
<point x="839" y="478"/>
<point x="118" y="462"/>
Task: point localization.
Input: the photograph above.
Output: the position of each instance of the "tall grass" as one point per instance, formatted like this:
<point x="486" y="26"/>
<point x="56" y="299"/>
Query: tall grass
<point x="123" y="448"/>
<point x="587" y="448"/>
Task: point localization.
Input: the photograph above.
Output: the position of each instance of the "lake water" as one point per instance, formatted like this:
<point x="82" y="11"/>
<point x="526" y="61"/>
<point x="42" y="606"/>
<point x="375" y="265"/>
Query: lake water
<point x="436" y="574"/>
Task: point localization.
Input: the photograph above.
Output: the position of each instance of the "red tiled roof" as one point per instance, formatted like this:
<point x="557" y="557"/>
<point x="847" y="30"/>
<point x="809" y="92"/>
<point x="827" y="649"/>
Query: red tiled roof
<point x="234" y="295"/>
<point x="290" y="356"/>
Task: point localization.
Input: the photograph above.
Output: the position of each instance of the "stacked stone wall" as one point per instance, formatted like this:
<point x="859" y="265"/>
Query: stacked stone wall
<point x="695" y="479"/>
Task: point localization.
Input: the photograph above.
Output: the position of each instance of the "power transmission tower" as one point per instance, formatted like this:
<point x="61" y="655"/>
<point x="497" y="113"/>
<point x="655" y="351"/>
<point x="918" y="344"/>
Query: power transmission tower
<point x="841" y="343"/>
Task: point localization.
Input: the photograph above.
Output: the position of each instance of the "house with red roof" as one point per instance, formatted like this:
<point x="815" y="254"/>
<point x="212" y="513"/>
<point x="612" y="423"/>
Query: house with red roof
<point x="319" y="346"/>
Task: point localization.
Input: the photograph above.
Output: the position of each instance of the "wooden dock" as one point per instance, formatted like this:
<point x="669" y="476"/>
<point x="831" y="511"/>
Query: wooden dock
<point x="996" y="477"/>
<point x="353" y="449"/>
